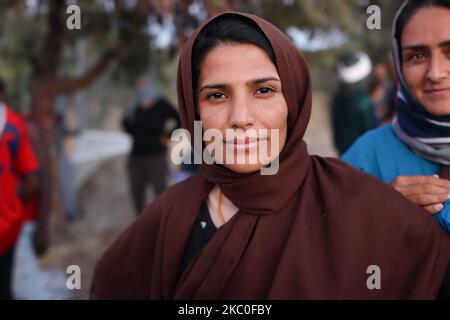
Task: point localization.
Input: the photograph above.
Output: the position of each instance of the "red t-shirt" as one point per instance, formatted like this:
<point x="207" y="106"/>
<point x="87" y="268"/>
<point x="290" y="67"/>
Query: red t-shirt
<point x="16" y="159"/>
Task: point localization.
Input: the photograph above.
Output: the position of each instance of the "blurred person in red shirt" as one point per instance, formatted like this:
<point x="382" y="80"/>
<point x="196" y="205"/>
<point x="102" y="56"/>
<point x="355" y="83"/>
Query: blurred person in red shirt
<point x="19" y="182"/>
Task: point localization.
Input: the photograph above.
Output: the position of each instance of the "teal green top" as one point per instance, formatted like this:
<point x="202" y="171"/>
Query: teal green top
<point x="382" y="154"/>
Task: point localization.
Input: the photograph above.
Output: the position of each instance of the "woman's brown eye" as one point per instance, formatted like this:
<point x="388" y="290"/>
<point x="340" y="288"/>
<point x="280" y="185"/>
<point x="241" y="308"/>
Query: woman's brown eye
<point x="265" y="90"/>
<point x="215" y="96"/>
<point x="415" y="56"/>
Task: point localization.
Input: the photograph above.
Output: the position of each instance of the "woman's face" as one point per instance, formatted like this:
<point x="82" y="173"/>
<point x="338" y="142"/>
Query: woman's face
<point x="239" y="89"/>
<point x="426" y="58"/>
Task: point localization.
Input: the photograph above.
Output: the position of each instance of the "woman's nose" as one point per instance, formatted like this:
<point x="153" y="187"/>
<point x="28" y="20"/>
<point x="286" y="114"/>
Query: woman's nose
<point x="241" y="113"/>
<point x="439" y="68"/>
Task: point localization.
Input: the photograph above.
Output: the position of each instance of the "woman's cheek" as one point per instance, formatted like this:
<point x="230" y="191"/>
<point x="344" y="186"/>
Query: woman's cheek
<point x="413" y="74"/>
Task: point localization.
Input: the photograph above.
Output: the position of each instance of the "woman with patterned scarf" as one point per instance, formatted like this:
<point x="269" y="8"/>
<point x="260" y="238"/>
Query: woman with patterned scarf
<point x="413" y="153"/>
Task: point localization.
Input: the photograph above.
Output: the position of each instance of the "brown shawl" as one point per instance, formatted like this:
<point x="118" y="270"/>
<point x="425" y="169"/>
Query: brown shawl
<point x="310" y="231"/>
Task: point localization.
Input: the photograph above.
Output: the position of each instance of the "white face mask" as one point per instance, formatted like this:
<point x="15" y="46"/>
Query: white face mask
<point x="2" y="117"/>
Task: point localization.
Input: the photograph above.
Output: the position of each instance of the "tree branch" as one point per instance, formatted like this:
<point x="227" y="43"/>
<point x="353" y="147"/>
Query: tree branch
<point x="65" y="86"/>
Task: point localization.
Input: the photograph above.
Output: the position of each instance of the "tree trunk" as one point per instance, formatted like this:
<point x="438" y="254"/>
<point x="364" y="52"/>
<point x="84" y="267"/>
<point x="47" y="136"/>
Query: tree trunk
<point x="45" y="87"/>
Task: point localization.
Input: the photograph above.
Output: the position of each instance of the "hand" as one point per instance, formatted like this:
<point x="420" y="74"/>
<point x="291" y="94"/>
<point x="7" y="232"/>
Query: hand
<point x="429" y="192"/>
<point x="40" y="241"/>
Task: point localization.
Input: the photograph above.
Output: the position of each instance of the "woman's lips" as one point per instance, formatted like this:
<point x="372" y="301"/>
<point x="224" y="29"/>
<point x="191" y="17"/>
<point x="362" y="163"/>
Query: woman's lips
<point x="438" y="92"/>
<point x="242" y="140"/>
<point x="244" y="144"/>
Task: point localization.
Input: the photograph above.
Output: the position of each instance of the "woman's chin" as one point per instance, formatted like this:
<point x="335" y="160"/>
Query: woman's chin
<point x="244" y="168"/>
<point x="439" y="106"/>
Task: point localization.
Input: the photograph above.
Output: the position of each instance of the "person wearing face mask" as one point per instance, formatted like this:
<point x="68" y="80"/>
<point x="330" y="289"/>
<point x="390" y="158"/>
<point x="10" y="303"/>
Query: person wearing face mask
<point x="310" y="230"/>
<point x="146" y="123"/>
<point x="413" y="153"/>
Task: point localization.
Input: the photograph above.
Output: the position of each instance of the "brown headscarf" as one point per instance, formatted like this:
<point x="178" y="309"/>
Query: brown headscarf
<point x="310" y="231"/>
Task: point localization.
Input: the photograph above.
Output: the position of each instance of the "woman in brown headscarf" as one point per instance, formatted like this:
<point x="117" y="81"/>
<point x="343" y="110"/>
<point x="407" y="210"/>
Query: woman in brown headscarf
<point x="316" y="229"/>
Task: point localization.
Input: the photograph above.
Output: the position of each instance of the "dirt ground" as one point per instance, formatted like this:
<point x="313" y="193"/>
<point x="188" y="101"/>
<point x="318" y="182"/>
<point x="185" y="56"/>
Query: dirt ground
<point x="107" y="211"/>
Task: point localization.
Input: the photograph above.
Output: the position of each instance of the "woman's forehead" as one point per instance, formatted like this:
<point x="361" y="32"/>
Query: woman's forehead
<point x="428" y="26"/>
<point x="230" y="61"/>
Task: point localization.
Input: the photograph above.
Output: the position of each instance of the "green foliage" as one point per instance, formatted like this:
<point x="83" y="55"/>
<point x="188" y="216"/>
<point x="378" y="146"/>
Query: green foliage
<point x="20" y="37"/>
<point x="22" y="33"/>
<point x="348" y="16"/>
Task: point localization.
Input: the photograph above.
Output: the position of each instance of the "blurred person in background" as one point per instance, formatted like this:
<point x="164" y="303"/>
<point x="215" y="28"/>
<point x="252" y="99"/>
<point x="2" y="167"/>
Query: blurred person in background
<point x="28" y="279"/>
<point x="147" y="124"/>
<point x="19" y="182"/>
<point x="378" y="96"/>
<point x="413" y="153"/>
<point x="352" y="110"/>
<point x="392" y="95"/>
<point x="379" y="86"/>
<point x="382" y="92"/>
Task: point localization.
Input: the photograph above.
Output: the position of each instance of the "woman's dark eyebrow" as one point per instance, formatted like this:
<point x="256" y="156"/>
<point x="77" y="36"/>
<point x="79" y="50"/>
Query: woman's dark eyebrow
<point x="444" y="43"/>
<point x="261" y="80"/>
<point x="415" y="47"/>
<point x="225" y="86"/>
<point x="214" y="86"/>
